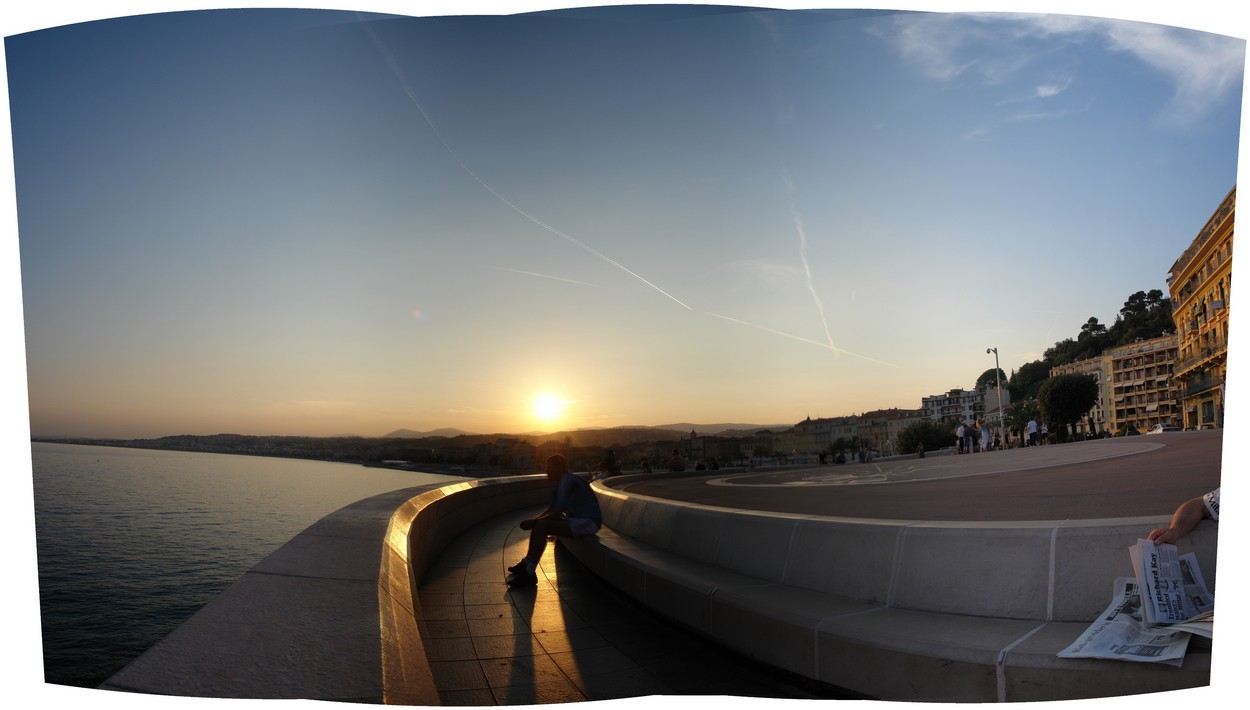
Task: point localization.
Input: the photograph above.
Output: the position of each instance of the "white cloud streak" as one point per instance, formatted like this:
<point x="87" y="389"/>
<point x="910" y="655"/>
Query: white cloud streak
<point x="402" y="78"/>
<point x="543" y="276"/>
<point x="807" y="269"/>
<point x="412" y="96"/>
<point x="1202" y="67"/>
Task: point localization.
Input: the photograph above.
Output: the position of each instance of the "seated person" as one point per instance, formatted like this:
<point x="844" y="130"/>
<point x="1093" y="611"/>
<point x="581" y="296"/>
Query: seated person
<point x="574" y="512"/>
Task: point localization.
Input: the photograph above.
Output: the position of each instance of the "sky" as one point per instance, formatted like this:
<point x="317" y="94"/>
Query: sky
<point x="310" y="223"/>
<point x="321" y="223"/>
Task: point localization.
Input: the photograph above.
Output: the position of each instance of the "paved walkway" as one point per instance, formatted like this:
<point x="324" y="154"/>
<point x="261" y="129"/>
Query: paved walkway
<point x="573" y="638"/>
<point x="1107" y="478"/>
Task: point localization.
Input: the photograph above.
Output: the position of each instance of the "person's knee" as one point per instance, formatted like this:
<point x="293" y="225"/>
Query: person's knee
<point x="546" y="527"/>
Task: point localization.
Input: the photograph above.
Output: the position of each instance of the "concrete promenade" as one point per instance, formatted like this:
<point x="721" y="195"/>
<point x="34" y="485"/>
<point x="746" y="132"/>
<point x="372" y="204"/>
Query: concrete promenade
<point x="400" y="598"/>
<point x="1104" y="478"/>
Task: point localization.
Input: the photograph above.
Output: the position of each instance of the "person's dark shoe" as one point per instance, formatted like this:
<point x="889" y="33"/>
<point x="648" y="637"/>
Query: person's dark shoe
<point x="518" y="567"/>
<point x="523" y="578"/>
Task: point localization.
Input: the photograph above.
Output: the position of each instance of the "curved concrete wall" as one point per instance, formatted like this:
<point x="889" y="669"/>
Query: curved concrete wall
<point x="332" y="614"/>
<point x="896" y="610"/>
<point x="1050" y="570"/>
<point x="416" y="533"/>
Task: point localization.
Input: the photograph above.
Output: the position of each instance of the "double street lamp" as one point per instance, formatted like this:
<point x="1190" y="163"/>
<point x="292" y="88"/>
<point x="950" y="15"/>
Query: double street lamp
<point x="1002" y="430"/>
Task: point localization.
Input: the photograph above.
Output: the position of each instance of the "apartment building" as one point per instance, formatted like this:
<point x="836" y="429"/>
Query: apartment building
<point x="1143" y="391"/>
<point x="813" y="436"/>
<point x="964" y="405"/>
<point x="1200" y="284"/>
<point x="881" y="427"/>
<point x="958" y="404"/>
<point x="1100" y="416"/>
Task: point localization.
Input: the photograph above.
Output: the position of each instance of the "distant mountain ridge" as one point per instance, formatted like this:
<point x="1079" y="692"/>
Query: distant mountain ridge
<point x="626" y="434"/>
<point x="724" y="429"/>
<point x="410" y="434"/>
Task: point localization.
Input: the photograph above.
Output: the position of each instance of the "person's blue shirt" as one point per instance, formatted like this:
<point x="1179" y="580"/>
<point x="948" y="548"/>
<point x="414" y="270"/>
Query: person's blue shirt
<point x="574" y="495"/>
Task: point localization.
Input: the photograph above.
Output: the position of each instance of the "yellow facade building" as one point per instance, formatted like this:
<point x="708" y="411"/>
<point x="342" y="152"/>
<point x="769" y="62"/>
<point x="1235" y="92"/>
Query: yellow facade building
<point x="1200" y="284"/>
<point x="1143" y="390"/>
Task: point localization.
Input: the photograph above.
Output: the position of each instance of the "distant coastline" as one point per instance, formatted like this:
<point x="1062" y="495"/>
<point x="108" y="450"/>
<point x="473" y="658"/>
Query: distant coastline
<point x="431" y="454"/>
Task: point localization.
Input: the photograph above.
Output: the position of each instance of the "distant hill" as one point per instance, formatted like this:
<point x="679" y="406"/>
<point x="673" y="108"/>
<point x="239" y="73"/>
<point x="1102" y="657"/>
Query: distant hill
<point x="726" y="429"/>
<point x="410" y="434"/>
<point x="626" y="435"/>
<point x="621" y="435"/>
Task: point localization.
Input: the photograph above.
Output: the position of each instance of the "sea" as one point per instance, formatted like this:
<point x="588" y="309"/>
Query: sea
<point x="132" y="542"/>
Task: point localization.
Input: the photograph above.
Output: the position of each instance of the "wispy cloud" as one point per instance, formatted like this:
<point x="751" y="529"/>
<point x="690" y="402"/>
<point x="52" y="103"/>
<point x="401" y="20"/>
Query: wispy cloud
<point x="542" y="276"/>
<point x="1055" y="115"/>
<point x="979" y="133"/>
<point x="753" y="272"/>
<point x="1203" y="68"/>
<point x="1045" y="91"/>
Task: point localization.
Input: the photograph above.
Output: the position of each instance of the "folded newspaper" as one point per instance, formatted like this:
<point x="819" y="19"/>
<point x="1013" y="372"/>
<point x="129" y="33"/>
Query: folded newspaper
<point x="1151" y="617"/>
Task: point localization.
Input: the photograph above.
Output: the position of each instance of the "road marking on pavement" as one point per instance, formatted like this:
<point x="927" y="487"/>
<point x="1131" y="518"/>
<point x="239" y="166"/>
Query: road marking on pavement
<point x="911" y="471"/>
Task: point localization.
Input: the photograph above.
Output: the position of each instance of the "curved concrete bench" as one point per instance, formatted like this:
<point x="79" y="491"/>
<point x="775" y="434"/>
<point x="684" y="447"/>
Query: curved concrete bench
<point x="416" y="533"/>
<point x="899" y="610"/>
<point x="332" y="614"/>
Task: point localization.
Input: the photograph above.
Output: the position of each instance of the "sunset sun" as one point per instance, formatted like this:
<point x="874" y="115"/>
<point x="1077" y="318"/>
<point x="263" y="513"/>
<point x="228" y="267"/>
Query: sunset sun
<point x="548" y="407"/>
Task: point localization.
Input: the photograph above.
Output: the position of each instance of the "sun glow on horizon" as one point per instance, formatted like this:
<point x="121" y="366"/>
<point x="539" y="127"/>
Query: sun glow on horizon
<point x="548" y="407"/>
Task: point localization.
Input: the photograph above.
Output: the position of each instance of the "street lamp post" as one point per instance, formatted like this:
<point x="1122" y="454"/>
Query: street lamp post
<point x="1002" y="430"/>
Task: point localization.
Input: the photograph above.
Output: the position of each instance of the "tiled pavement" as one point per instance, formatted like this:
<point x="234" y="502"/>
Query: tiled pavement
<point x="573" y="638"/>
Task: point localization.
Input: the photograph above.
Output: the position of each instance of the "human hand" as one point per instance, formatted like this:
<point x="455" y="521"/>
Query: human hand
<point x="1159" y="536"/>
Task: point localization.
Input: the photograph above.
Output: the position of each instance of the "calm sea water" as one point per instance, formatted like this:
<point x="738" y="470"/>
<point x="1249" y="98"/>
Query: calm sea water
<point x="132" y="542"/>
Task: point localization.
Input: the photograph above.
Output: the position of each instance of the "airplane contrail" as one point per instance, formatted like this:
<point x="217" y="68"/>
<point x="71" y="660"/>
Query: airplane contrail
<point x="836" y="350"/>
<point x="398" y="72"/>
<point x="543" y="276"/>
<point x="807" y="269"/>
<point x="412" y="96"/>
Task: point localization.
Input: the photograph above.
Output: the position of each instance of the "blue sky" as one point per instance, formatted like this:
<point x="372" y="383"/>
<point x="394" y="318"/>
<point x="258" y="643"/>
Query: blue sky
<point x="303" y="222"/>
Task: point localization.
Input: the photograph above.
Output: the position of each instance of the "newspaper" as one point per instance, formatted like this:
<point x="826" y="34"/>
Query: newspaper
<point x="1154" y="626"/>
<point x="1177" y="592"/>
<point x="1119" y="633"/>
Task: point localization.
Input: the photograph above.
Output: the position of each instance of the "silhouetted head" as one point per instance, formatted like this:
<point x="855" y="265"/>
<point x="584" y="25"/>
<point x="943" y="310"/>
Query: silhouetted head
<point x="557" y="466"/>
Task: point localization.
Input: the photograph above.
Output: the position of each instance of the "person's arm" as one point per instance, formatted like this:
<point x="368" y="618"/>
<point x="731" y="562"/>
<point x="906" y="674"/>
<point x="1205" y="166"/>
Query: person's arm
<point x="1185" y="519"/>
<point x="552" y="512"/>
<point x="558" y="507"/>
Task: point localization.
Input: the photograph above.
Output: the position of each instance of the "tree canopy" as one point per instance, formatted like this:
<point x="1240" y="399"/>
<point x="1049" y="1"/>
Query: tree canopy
<point x="987" y="377"/>
<point x="1145" y="315"/>
<point x="1025" y="382"/>
<point x="934" y="435"/>
<point x="1065" y="399"/>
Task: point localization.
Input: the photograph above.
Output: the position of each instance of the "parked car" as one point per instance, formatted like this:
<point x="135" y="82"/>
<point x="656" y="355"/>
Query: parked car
<point x="1162" y="428"/>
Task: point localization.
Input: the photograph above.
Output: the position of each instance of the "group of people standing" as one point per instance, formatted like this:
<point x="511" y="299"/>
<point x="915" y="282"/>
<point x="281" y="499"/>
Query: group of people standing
<point x="1038" y="434"/>
<point x="976" y="436"/>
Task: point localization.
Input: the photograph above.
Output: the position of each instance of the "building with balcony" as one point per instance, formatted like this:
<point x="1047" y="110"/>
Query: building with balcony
<point x="1143" y="389"/>
<point x="1099" y="417"/>
<point x="881" y="427"/>
<point x="1200" y="284"/>
<point x="964" y="405"/>
<point x="954" y="405"/>
<point x="811" y="437"/>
